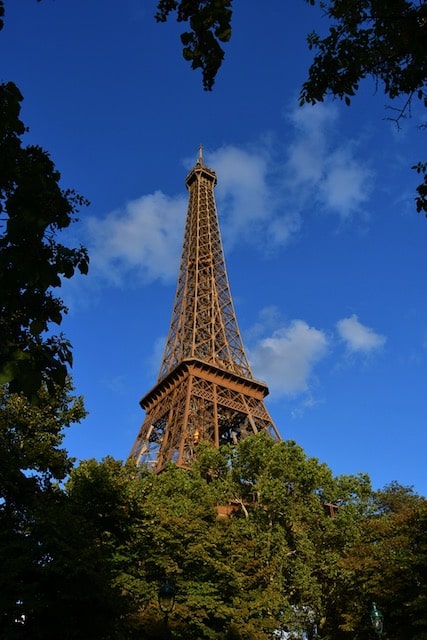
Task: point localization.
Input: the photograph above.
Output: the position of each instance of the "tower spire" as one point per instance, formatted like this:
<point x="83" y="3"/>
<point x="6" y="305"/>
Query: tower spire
<point x="200" y="160"/>
<point x="205" y="389"/>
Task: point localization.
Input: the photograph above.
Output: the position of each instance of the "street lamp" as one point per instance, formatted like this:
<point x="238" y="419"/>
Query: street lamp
<point x="166" y="597"/>
<point x="377" y="620"/>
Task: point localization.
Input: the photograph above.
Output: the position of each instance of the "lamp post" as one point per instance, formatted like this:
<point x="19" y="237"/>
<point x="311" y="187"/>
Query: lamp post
<point x="377" y="620"/>
<point x="166" y="597"/>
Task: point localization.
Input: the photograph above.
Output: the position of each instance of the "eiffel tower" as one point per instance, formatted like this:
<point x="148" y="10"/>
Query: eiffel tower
<point x="205" y="390"/>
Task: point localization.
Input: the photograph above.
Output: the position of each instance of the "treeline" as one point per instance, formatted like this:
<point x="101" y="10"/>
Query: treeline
<point x="257" y="539"/>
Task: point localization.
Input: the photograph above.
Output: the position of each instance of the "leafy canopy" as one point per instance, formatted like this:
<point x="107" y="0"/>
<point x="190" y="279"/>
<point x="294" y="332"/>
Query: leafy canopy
<point x="33" y="463"/>
<point x="33" y="210"/>
<point x="210" y="25"/>
<point x="383" y="39"/>
<point x="282" y="559"/>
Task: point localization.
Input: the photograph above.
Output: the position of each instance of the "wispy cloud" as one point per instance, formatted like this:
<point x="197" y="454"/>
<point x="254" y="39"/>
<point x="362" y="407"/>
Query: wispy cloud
<point x="332" y="174"/>
<point x="359" y="338"/>
<point x="289" y="355"/>
<point x="262" y="191"/>
<point x="249" y="198"/>
<point x="286" y="359"/>
<point x="144" y="238"/>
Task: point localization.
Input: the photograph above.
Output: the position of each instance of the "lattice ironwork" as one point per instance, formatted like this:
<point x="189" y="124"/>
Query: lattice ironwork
<point x="205" y="389"/>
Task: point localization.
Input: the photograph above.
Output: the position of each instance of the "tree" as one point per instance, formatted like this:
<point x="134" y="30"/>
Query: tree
<point x="383" y="39"/>
<point x="33" y="209"/>
<point x="31" y="435"/>
<point x="36" y="401"/>
<point x="388" y="564"/>
<point x="32" y="465"/>
<point x="274" y="563"/>
<point x="210" y="25"/>
<point x="299" y="552"/>
<point x="146" y="526"/>
<point x="309" y="519"/>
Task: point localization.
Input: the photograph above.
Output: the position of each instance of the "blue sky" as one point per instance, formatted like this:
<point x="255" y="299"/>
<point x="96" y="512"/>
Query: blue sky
<point x="325" y="252"/>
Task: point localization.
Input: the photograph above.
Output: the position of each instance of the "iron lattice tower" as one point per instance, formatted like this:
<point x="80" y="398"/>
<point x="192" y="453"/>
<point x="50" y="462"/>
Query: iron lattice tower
<point x="205" y="390"/>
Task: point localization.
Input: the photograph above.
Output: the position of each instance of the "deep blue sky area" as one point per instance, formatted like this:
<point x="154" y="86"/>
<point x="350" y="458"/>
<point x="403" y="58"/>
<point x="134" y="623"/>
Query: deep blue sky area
<point x="324" y="249"/>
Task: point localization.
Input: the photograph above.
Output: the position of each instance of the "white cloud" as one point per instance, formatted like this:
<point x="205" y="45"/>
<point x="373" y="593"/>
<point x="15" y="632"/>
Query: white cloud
<point x="144" y="238"/>
<point x="346" y="184"/>
<point x="286" y="360"/>
<point x="319" y="169"/>
<point x="260" y="197"/>
<point x="357" y="337"/>
<point x="309" y="146"/>
<point x="248" y="198"/>
<point x="242" y="182"/>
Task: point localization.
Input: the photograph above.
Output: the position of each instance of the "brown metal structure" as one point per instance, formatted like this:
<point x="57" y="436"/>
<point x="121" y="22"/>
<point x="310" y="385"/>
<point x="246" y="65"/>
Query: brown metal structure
<point x="205" y="390"/>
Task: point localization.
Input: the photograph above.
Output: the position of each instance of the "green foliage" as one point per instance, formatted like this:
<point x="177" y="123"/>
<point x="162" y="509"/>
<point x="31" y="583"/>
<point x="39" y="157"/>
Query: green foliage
<point x="33" y="209"/>
<point x="278" y="561"/>
<point x="238" y="577"/>
<point x="210" y="25"/>
<point x="30" y="441"/>
<point x="388" y="564"/>
<point x="421" y="199"/>
<point x="40" y="549"/>
<point x="32" y="519"/>
<point x="384" y="39"/>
